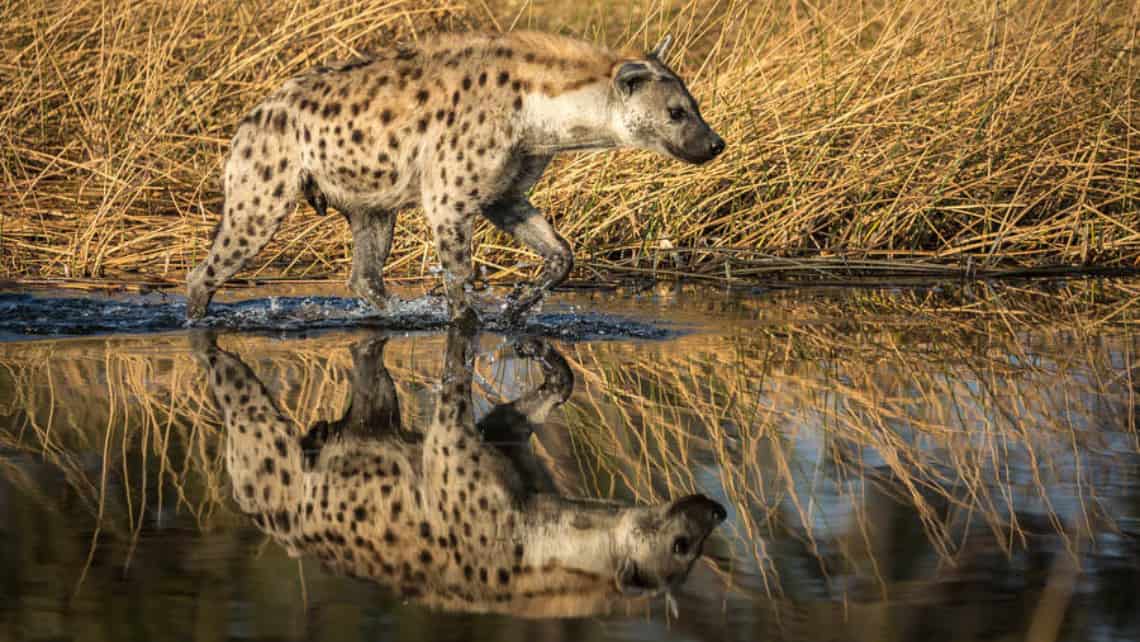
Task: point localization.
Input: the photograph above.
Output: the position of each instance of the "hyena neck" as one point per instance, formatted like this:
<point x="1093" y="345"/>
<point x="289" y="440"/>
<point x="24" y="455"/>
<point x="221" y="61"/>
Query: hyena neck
<point x="579" y="537"/>
<point x="577" y="120"/>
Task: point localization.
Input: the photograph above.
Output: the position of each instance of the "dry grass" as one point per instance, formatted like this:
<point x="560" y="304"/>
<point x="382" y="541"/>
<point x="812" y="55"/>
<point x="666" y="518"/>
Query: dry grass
<point x="863" y="136"/>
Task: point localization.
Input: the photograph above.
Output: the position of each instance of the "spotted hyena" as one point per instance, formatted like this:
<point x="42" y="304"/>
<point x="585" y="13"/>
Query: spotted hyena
<point x="463" y="125"/>
<point x="459" y="514"/>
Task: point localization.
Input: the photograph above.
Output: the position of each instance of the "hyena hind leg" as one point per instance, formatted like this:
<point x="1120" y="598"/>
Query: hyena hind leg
<point x="371" y="242"/>
<point x="247" y="225"/>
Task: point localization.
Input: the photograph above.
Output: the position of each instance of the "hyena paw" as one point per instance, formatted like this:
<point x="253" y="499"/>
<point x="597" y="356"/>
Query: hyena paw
<point x="519" y="302"/>
<point x="196" y="303"/>
<point x="465" y="318"/>
<point x="374" y="294"/>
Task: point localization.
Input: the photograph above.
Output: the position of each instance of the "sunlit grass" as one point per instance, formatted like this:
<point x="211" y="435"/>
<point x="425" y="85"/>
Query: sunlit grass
<point x="936" y="136"/>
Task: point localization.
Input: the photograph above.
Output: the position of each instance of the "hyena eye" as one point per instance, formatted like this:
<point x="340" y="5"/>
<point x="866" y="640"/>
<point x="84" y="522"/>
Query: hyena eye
<point x="681" y="545"/>
<point x="676" y="114"/>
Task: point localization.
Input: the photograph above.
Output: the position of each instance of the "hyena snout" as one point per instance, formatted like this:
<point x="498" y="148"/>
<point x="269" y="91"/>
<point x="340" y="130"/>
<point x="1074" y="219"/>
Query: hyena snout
<point x="698" y="147"/>
<point x="709" y="147"/>
<point x="707" y="513"/>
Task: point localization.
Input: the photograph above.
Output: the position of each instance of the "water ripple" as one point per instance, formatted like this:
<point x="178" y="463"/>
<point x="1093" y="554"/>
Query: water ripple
<point x="26" y="315"/>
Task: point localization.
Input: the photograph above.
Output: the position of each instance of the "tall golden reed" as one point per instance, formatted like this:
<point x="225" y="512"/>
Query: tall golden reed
<point x="923" y="135"/>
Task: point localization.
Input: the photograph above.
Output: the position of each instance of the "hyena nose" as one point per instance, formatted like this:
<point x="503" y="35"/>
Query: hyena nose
<point x="716" y="146"/>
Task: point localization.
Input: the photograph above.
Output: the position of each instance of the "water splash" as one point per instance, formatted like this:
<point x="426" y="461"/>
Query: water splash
<point x="26" y="315"/>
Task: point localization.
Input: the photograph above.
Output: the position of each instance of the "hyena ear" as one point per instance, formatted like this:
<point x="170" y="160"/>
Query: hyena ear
<point x="630" y="76"/>
<point x="662" y="49"/>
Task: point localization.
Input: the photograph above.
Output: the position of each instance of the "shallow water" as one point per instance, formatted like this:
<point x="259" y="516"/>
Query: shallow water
<point x="944" y="463"/>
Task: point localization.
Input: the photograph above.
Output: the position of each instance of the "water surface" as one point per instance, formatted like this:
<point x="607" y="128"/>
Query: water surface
<point x="948" y="462"/>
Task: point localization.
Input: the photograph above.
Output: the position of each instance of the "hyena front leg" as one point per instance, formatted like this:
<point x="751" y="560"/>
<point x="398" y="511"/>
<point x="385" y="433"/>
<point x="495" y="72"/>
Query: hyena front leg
<point x="261" y="190"/>
<point x="523" y="221"/>
<point x="371" y="242"/>
<point x="451" y="224"/>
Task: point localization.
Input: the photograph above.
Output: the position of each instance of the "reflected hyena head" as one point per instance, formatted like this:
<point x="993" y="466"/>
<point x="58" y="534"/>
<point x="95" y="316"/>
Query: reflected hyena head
<point x="659" y="544"/>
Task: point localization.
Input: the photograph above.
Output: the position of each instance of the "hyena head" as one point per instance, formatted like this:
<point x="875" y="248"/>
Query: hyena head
<point x="658" y="545"/>
<point x="655" y="111"/>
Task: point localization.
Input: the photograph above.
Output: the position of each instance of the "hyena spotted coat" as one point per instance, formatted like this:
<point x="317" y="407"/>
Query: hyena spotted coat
<point x="455" y="512"/>
<point x="463" y="125"/>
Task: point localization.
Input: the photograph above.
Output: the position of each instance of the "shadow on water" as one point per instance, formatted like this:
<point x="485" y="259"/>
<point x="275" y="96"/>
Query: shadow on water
<point x="946" y="463"/>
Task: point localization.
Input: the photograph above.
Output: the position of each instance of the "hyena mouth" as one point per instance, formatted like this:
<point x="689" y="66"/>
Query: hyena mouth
<point x="695" y="159"/>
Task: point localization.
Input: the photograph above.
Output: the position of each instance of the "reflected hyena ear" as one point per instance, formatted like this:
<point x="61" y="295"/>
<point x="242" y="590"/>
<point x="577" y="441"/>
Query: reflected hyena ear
<point x="662" y="49"/>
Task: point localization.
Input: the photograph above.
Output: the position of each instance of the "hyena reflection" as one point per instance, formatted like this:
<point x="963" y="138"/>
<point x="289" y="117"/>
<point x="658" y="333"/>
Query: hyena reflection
<point x="460" y="515"/>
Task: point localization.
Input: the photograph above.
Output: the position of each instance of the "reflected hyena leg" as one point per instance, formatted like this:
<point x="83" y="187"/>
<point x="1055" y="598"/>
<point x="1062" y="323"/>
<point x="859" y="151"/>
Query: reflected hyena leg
<point x="263" y="454"/>
<point x="373" y="410"/>
<point x="509" y="426"/>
